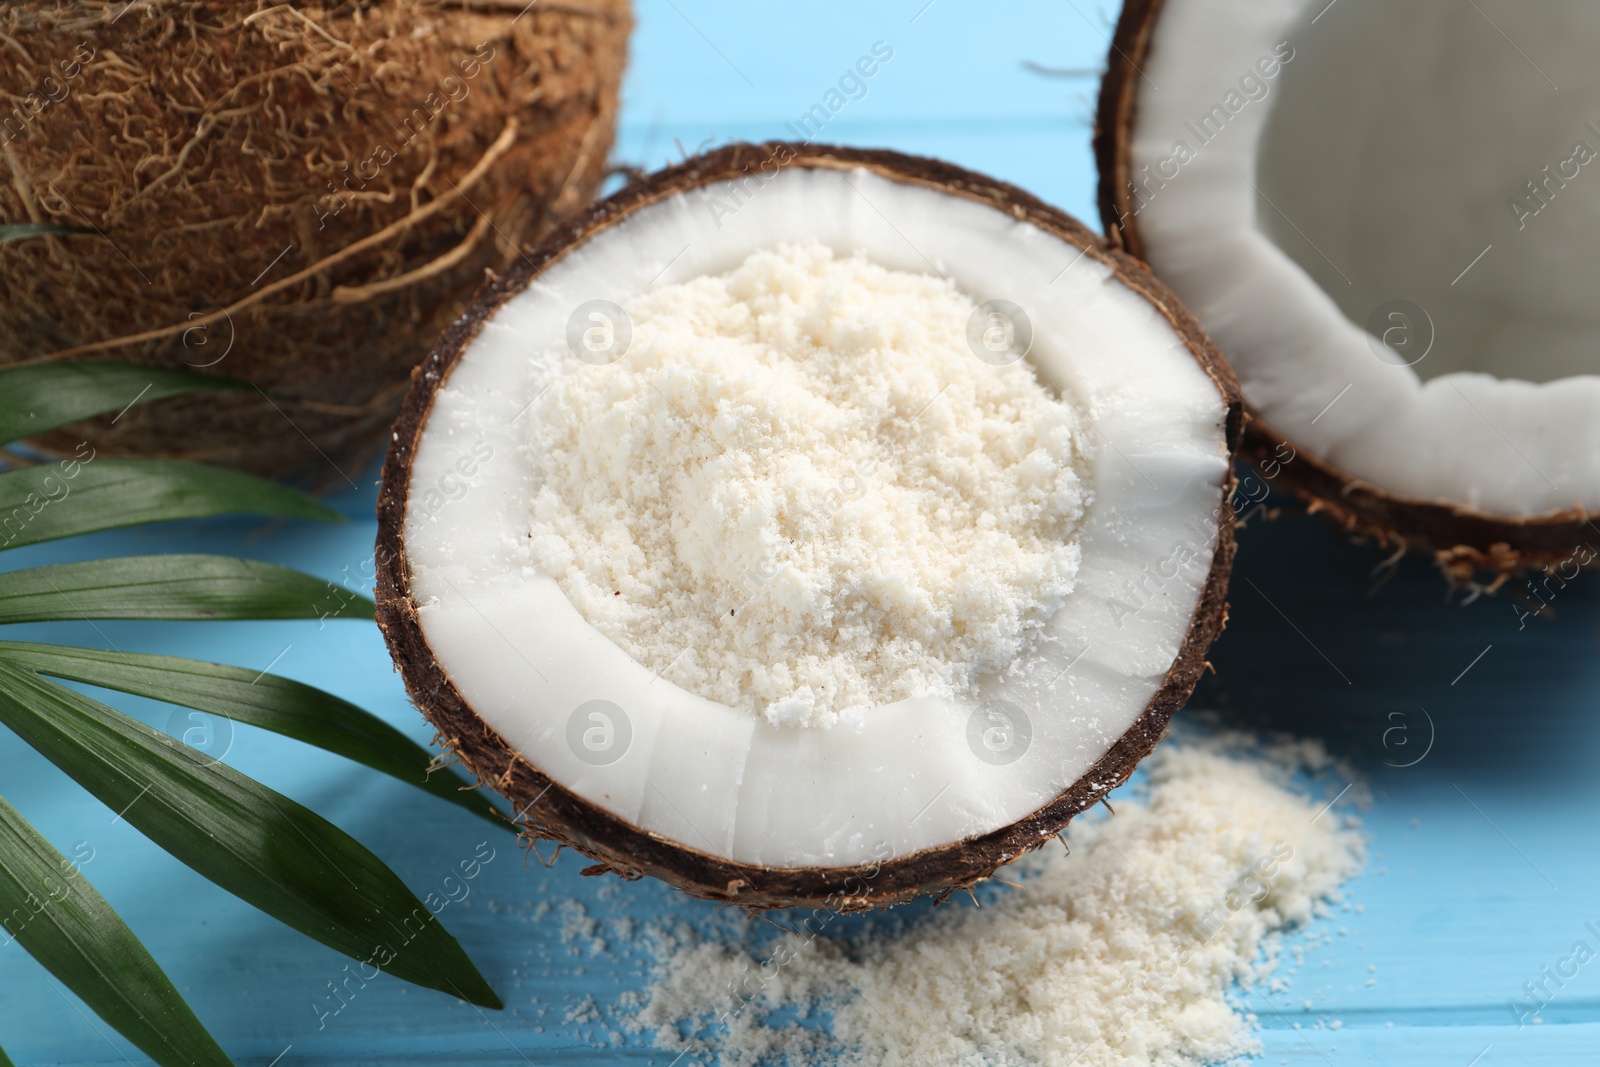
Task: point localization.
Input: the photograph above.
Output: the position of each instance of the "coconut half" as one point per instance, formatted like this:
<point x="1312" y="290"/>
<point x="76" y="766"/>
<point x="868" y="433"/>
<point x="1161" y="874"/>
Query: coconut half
<point x="1383" y="214"/>
<point x="924" y="795"/>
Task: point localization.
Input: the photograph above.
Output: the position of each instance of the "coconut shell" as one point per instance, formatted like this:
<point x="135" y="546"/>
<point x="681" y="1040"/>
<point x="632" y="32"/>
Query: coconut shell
<point x="302" y="196"/>
<point x="1465" y="542"/>
<point x="547" y="810"/>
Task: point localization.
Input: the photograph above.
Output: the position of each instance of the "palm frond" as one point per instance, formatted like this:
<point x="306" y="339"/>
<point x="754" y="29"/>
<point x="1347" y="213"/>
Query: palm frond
<point x="252" y="841"/>
<point x="47" y="395"/>
<point x="54" y="913"/>
<point x="285" y="707"/>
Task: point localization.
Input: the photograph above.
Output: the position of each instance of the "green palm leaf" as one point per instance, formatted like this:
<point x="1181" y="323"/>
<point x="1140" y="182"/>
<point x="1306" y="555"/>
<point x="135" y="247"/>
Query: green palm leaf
<point x="256" y="843"/>
<point x="54" y="913"/>
<point x="176" y="586"/>
<point x="5" y="1061"/>
<point x="42" y="397"/>
<point x="278" y="704"/>
<point x="52" y="501"/>
<point x="16" y="231"/>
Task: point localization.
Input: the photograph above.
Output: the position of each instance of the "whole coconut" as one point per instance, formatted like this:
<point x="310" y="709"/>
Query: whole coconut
<point x="302" y="195"/>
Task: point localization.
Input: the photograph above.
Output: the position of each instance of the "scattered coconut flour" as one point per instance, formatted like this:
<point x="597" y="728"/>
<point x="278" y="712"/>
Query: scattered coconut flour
<point x="801" y="493"/>
<point x="1123" y="952"/>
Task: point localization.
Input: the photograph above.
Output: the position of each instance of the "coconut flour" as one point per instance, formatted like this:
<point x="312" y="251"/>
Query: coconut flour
<point x="801" y="493"/>
<point x="1122" y="953"/>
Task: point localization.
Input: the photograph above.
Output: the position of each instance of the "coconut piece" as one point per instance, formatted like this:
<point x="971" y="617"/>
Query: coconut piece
<point x="718" y="800"/>
<point x="1381" y="212"/>
<point x="302" y="196"/>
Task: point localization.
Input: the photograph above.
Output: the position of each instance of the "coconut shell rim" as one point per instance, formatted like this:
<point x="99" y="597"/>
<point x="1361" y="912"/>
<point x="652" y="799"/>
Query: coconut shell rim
<point x="546" y="809"/>
<point x="1464" y="540"/>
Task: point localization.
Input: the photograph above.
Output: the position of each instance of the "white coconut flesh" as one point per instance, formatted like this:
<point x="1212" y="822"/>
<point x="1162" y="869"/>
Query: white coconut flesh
<point x="722" y="780"/>
<point x="1367" y="191"/>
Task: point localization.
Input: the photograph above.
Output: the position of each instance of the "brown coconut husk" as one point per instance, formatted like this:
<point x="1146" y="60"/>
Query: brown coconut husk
<point x="547" y="810"/>
<point x="1474" y="549"/>
<point x="303" y="196"/>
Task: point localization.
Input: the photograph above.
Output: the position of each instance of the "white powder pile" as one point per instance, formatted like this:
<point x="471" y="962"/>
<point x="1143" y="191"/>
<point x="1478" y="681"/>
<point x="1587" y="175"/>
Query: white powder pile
<point x="1122" y="953"/>
<point x="801" y="493"/>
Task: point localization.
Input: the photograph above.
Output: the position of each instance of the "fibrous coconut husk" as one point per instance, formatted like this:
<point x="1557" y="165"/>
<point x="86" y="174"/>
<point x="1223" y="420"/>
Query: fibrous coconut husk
<point x="303" y="196"/>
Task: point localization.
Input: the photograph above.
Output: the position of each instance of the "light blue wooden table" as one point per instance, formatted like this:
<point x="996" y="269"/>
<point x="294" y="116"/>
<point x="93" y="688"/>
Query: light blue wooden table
<point x="1485" y="855"/>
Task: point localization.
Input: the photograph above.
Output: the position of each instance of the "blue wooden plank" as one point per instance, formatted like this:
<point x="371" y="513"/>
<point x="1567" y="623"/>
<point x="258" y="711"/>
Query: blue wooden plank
<point x="1454" y="914"/>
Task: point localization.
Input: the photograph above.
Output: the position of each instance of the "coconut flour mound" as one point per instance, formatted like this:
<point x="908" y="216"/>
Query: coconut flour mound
<point x="1122" y="953"/>
<point x="801" y="493"/>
